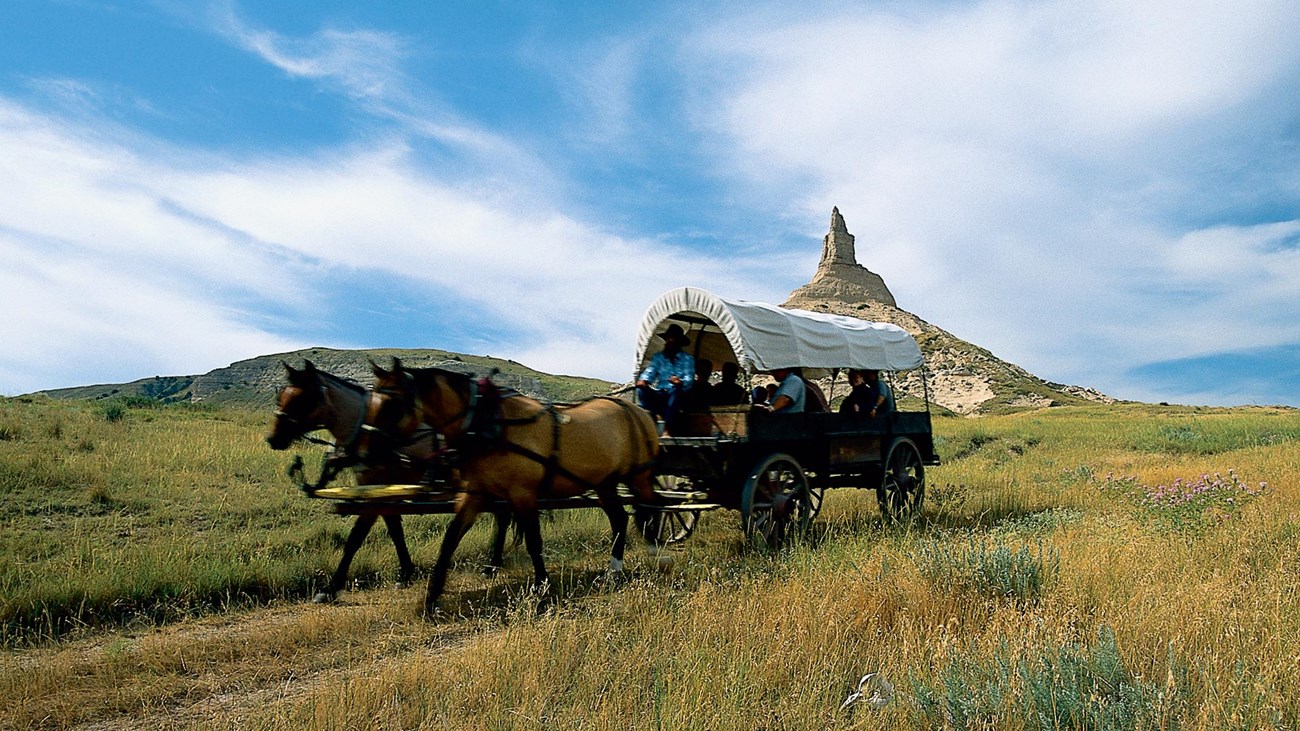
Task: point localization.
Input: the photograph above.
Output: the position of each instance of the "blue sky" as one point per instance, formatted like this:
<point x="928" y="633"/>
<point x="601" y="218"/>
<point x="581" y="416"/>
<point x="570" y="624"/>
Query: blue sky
<point x="1105" y="193"/>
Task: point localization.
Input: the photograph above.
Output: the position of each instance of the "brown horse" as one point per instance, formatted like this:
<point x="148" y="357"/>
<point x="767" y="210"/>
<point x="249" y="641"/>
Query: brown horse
<point x="316" y="399"/>
<point x="519" y="450"/>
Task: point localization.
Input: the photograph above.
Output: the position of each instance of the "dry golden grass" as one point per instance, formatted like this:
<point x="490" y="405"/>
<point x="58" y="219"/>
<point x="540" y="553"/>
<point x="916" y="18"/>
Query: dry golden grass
<point x="1205" y="621"/>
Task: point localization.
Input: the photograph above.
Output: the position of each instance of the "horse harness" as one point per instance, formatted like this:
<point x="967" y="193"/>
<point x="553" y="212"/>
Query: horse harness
<point x="343" y="455"/>
<point x="484" y="425"/>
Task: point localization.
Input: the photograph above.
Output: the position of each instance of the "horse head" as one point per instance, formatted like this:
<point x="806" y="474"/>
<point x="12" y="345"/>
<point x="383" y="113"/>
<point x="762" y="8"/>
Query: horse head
<point x="299" y="407"/>
<point x="392" y="413"/>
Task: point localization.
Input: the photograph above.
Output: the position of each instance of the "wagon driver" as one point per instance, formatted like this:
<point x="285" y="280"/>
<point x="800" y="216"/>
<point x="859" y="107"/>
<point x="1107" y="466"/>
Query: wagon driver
<point x="663" y="384"/>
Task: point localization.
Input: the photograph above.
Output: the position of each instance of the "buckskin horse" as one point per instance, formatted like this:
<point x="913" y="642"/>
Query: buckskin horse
<point x="316" y="399"/>
<point x="519" y="450"/>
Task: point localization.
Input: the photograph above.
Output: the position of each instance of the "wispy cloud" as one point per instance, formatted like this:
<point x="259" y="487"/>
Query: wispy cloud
<point x="148" y="256"/>
<point x="365" y="63"/>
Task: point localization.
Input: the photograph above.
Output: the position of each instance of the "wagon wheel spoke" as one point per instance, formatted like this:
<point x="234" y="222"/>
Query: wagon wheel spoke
<point x="676" y="526"/>
<point x="776" y="503"/>
<point x="816" y="493"/>
<point x="902" y="487"/>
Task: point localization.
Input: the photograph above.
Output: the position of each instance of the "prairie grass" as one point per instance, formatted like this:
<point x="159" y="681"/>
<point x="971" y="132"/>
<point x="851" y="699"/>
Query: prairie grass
<point x="158" y="576"/>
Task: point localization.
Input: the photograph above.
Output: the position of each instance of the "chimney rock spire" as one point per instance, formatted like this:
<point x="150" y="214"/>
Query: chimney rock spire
<point x="839" y="277"/>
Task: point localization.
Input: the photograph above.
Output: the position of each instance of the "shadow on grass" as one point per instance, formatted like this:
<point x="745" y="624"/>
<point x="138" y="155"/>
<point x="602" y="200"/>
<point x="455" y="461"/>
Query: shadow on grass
<point x="56" y="618"/>
<point x="500" y="597"/>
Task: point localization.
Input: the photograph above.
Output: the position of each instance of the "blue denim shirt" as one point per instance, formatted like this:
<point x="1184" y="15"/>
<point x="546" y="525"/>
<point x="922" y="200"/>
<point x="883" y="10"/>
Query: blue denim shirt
<point x="662" y="367"/>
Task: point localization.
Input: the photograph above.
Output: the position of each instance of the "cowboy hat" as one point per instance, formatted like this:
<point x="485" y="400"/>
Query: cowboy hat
<point x="675" y="331"/>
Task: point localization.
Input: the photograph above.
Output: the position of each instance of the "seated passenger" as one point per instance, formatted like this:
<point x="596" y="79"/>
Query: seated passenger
<point x="870" y="397"/>
<point x="861" y="397"/>
<point x="816" y="399"/>
<point x="884" y="395"/>
<point x="701" y="394"/>
<point x="728" y="392"/>
<point x="790" y="394"/>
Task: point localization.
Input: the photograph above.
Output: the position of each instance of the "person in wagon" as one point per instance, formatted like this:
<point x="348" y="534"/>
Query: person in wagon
<point x="700" y="395"/>
<point x="728" y="392"/>
<point x="791" y="395"/>
<point x="663" y="385"/>
<point x="884" y="395"/>
<point x="861" y="397"/>
<point x="870" y="396"/>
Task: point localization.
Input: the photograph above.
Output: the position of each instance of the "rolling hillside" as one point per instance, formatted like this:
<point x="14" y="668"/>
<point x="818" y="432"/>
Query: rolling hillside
<point x="254" y="382"/>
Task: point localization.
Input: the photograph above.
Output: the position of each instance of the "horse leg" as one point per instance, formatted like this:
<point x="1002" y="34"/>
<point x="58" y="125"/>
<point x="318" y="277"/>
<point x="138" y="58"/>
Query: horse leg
<point x="618" y="527"/>
<point x="497" y="561"/>
<point x="356" y="537"/>
<point x="532" y="528"/>
<point x="406" y="566"/>
<point x="649" y="519"/>
<point x="466" y="513"/>
<point x="646" y="517"/>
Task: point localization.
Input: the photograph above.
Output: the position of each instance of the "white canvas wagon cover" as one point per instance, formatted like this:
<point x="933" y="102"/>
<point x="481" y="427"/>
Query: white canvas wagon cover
<point x="761" y="337"/>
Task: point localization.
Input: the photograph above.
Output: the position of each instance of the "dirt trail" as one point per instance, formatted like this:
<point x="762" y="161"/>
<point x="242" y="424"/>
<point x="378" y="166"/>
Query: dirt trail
<point x="234" y="665"/>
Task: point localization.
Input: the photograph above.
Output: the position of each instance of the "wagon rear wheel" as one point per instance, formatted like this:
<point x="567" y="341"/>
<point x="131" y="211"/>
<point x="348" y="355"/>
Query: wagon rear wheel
<point x="776" y="503"/>
<point x="815" y="495"/>
<point x="903" y="487"/>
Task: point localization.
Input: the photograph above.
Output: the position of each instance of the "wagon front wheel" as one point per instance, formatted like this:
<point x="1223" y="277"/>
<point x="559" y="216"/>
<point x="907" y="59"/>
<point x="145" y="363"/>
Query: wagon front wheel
<point x="776" y="503"/>
<point x="903" y="486"/>
<point x="674" y="524"/>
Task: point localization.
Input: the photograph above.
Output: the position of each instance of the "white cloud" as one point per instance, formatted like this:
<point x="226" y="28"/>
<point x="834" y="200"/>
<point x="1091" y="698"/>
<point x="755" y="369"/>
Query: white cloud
<point x="80" y="321"/>
<point x="1008" y="166"/>
<point x="130" y="261"/>
<point x="564" y="280"/>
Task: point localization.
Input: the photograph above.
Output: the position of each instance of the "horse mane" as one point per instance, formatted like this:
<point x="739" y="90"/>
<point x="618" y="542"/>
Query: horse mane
<point x="347" y="383"/>
<point x="426" y="376"/>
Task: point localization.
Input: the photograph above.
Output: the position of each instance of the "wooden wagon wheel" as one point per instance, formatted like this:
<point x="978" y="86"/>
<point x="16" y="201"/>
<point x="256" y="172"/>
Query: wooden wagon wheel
<point x="815" y="494"/>
<point x="776" y="502"/>
<point x="902" y="488"/>
<point x="673" y="524"/>
<point x="676" y="526"/>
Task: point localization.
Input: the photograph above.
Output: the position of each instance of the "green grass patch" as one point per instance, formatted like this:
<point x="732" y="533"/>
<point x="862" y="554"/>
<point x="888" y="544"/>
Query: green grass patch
<point x="989" y="568"/>
<point x="1073" y="686"/>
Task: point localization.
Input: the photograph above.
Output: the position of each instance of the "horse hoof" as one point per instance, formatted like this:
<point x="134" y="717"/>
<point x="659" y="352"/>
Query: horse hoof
<point x="612" y="578"/>
<point x="491" y="571"/>
<point x="324" y="597"/>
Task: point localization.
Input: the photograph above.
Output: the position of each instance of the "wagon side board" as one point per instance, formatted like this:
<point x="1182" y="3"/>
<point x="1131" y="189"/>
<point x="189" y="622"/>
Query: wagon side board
<point x="839" y="450"/>
<point x="837" y="440"/>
